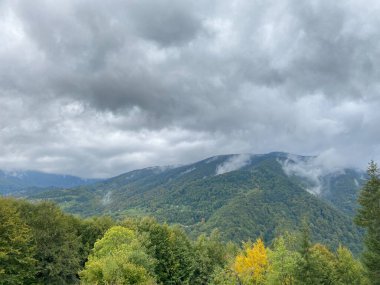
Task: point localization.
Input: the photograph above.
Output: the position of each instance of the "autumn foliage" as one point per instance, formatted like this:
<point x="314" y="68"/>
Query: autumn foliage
<point x="252" y="264"/>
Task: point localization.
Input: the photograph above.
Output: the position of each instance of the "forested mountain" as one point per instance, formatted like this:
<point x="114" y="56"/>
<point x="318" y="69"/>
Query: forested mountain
<point x="245" y="196"/>
<point x="26" y="182"/>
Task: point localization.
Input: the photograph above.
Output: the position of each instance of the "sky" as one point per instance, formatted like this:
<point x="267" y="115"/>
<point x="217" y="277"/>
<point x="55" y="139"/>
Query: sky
<point x="96" y="88"/>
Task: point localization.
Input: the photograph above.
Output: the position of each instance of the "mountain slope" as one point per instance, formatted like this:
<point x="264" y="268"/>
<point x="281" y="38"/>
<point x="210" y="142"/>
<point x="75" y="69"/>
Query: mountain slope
<point x="21" y="182"/>
<point x="242" y="195"/>
<point x="278" y="205"/>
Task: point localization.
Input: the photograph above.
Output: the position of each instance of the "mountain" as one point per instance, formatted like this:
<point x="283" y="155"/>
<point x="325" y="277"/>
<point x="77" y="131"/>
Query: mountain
<point x="337" y="186"/>
<point x="244" y="195"/>
<point x="26" y="182"/>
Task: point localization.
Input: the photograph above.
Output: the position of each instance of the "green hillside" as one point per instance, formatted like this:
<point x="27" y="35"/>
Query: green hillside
<point x="245" y="196"/>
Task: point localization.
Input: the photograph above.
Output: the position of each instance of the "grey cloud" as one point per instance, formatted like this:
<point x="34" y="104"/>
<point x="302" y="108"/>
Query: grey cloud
<point x="166" y="22"/>
<point x="197" y="78"/>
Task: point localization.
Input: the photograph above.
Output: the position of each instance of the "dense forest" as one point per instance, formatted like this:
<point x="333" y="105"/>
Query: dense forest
<point x="40" y="244"/>
<point x="260" y="198"/>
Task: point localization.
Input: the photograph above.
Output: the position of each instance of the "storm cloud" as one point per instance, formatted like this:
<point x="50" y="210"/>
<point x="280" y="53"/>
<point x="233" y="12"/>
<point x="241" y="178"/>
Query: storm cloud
<point x="96" y="88"/>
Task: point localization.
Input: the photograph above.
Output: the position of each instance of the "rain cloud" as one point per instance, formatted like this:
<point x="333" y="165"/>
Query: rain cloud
<point x="96" y="88"/>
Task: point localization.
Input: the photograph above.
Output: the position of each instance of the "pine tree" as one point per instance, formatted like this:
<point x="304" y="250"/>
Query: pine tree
<point x="304" y="268"/>
<point x="368" y="217"/>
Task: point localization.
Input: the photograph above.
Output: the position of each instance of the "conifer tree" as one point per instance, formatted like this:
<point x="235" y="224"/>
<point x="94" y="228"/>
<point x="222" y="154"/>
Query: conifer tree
<point x="304" y="268"/>
<point x="368" y="217"/>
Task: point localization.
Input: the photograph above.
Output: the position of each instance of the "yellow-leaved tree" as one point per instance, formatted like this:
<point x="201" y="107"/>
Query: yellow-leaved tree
<point x="251" y="265"/>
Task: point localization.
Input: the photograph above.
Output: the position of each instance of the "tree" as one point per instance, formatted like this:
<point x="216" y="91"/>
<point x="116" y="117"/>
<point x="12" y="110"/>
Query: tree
<point x="283" y="264"/>
<point x="172" y="250"/>
<point x="316" y="263"/>
<point x="90" y="230"/>
<point x="57" y="243"/>
<point x="16" y="248"/>
<point x="368" y="217"/>
<point x="304" y="266"/>
<point x="348" y="271"/>
<point x="322" y="262"/>
<point x="225" y="276"/>
<point x="210" y="254"/>
<point x="251" y="265"/>
<point x="118" y="258"/>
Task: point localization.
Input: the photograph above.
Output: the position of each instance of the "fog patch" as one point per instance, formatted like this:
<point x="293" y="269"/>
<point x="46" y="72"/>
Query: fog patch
<point x="161" y="169"/>
<point x="211" y="159"/>
<point x="233" y="163"/>
<point x="313" y="169"/>
<point x="16" y="174"/>
<point x="187" y="171"/>
<point x="130" y="176"/>
<point x="107" y="199"/>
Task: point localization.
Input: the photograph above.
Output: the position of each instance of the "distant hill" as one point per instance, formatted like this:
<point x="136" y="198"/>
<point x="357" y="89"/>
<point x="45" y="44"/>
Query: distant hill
<point x="27" y="182"/>
<point x="244" y="195"/>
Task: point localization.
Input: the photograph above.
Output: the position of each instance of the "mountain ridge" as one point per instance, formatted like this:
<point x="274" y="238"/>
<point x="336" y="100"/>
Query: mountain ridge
<point x="17" y="182"/>
<point x="212" y="192"/>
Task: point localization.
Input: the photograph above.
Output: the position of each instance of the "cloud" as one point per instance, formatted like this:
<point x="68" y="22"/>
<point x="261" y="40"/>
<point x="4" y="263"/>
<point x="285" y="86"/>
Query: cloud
<point x="315" y="168"/>
<point x="233" y="163"/>
<point x="308" y="169"/>
<point x="99" y="88"/>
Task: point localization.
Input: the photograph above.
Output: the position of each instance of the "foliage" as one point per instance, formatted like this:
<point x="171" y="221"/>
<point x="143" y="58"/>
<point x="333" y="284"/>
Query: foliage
<point x="348" y="269"/>
<point x="118" y="258"/>
<point x="210" y="253"/>
<point x="40" y="244"/>
<point x="318" y="265"/>
<point x="252" y="264"/>
<point x="56" y="240"/>
<point x="225" y="276"/>
<point x="16" y="248"/>
<point x="180" y="260"/>
<point x="89" y="231"/>
<point x="368" y="217"/>
<point x="283" y="263"/>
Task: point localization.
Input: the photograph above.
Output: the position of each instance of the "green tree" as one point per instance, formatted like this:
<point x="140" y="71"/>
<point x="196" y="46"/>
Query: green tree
<point x="56" y="240"/>
<point x="304" y="267"/>
<point x="316" y="263"/>
<point x="225" y="276"/>
<point x="322" y="262"/>
<point x="348" y="271"/>
<point x="368" y="217"/>
<point x="283" y="264"/>
<point x="210" y="254"/>
<point x="89" y="231"/>
<point x="172" y="250"/>
<point x="16" y="249"/>
<point x="118" y="258"/>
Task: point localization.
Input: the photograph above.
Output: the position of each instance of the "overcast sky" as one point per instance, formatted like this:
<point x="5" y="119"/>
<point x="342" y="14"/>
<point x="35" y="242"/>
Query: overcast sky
<point x="96" y="88"/>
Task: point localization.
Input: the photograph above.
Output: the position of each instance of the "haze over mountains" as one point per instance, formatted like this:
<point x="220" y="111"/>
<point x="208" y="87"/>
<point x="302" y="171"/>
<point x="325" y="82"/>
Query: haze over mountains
<point x="18" y="181"/>
<point x="243" y="195"/>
